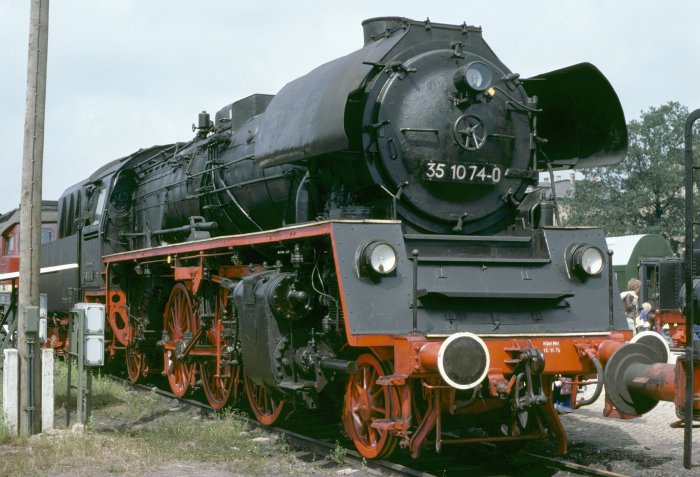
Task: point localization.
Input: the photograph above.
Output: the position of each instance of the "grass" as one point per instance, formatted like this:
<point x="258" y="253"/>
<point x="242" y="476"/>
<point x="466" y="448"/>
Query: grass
<point x="6" y="434"/>
<point x="224" y="441"/>
<point x="135" y="432"/>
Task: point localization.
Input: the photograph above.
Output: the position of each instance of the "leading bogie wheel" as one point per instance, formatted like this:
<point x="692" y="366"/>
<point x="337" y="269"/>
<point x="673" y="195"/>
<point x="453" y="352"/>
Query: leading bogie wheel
<point x="365" y="402"/>
<point x="520" y="424"/>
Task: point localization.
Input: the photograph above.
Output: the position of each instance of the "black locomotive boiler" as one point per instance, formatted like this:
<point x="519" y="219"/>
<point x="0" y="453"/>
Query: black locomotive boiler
<point x="372" y="234"/>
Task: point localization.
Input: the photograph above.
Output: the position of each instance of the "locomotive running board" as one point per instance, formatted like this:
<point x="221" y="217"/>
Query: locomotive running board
<point x="580" y="334"/>
<point x="291" y="232"/>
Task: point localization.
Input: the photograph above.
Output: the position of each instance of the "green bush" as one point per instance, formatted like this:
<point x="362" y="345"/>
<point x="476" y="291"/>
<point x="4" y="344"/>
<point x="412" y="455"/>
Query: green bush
<point x="6" y="434"/>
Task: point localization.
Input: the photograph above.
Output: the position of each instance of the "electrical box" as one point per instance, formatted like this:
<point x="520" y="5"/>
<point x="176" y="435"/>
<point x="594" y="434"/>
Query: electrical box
<point x="31" y="319"/>
<point x="88" y="329"/>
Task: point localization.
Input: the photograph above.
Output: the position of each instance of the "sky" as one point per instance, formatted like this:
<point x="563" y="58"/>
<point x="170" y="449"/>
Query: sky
<point x="128" y="74"/>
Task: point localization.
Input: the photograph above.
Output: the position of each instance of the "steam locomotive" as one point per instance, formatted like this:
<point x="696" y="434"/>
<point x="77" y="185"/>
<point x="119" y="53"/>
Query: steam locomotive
<point x="373" y="236"/>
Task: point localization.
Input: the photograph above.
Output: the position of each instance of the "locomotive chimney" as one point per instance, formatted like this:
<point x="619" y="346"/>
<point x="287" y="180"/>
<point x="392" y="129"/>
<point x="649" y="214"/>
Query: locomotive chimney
<point x="203" y="121"/>
<point x="204" y="125"/>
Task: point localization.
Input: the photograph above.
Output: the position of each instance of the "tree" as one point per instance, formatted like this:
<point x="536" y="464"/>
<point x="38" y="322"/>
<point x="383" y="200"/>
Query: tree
<point x="644" y="193"/>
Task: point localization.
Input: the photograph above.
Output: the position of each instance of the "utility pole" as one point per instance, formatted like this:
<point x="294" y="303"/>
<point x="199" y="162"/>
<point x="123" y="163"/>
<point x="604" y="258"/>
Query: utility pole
<point x="30" y="221"/>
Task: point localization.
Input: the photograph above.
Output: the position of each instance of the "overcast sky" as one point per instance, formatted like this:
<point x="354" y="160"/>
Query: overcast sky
<point x="126" y="74"/>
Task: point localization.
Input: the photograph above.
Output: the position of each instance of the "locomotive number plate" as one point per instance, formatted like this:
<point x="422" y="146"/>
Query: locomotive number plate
<point x="471" y="173"/>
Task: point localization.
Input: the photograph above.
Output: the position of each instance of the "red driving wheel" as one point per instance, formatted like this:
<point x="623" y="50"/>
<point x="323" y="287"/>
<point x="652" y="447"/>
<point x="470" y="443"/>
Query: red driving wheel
<point x="178" y="319"/>
<point x="365" y="402"/>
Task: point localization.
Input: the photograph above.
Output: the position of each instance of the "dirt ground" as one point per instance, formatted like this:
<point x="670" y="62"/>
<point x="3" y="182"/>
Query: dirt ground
<point x="646" y="447"/>
<point x="643" y="447"/>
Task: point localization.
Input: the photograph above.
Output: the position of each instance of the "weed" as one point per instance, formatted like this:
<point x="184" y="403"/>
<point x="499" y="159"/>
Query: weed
<point x="338" y="454"/>
<point x="105" y="391"/>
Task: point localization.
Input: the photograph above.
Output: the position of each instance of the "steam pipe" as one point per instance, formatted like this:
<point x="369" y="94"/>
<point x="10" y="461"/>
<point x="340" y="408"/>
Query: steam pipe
<point x="340" y="365"/>
<point x="184" y="228"/>
<point x="598" y="387"/>
<point x="415" y="254"/>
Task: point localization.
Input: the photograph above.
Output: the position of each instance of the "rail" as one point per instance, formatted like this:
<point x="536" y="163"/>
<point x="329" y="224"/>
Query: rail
<point x="318" y="444"/>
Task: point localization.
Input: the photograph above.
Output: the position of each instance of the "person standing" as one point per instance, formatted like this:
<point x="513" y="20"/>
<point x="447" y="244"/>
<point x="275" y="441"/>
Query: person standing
<point x="630" y="300"/>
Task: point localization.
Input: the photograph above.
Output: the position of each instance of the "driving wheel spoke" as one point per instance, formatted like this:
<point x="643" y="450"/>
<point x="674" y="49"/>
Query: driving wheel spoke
<point x="266" y="407"/>
<point x="220" y="383"/>
<point x="178" y="319"/>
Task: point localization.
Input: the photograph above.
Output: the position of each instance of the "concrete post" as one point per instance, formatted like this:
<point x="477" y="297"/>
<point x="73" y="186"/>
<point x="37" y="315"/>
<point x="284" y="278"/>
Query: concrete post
<point x="30" y="210"/>
<point x="10" y="389"/>
<point x="47" y="394"/>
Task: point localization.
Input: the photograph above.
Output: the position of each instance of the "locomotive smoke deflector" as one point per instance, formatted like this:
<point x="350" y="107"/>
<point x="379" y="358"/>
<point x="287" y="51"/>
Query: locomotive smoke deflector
<point x="582" y="120"/>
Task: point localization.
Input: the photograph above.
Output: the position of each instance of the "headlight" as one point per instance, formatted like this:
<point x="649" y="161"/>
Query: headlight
<point x="378" y="257"/>
<point x="475" y="76"/>
<point x="587" y="259"/>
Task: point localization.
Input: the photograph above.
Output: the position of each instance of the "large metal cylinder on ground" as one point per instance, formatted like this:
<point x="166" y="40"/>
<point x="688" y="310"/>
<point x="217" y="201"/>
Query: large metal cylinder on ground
<point x="635" y="380"/>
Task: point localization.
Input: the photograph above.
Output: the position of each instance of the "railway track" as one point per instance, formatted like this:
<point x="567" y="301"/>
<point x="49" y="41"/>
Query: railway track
<point x="320" y="442"/>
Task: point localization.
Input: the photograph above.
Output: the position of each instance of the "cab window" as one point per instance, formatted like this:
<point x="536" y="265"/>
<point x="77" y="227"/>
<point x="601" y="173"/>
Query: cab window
<point x="97" y="212"/>
<point x="9" y="241"/>
<point x="47" y="235"/>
